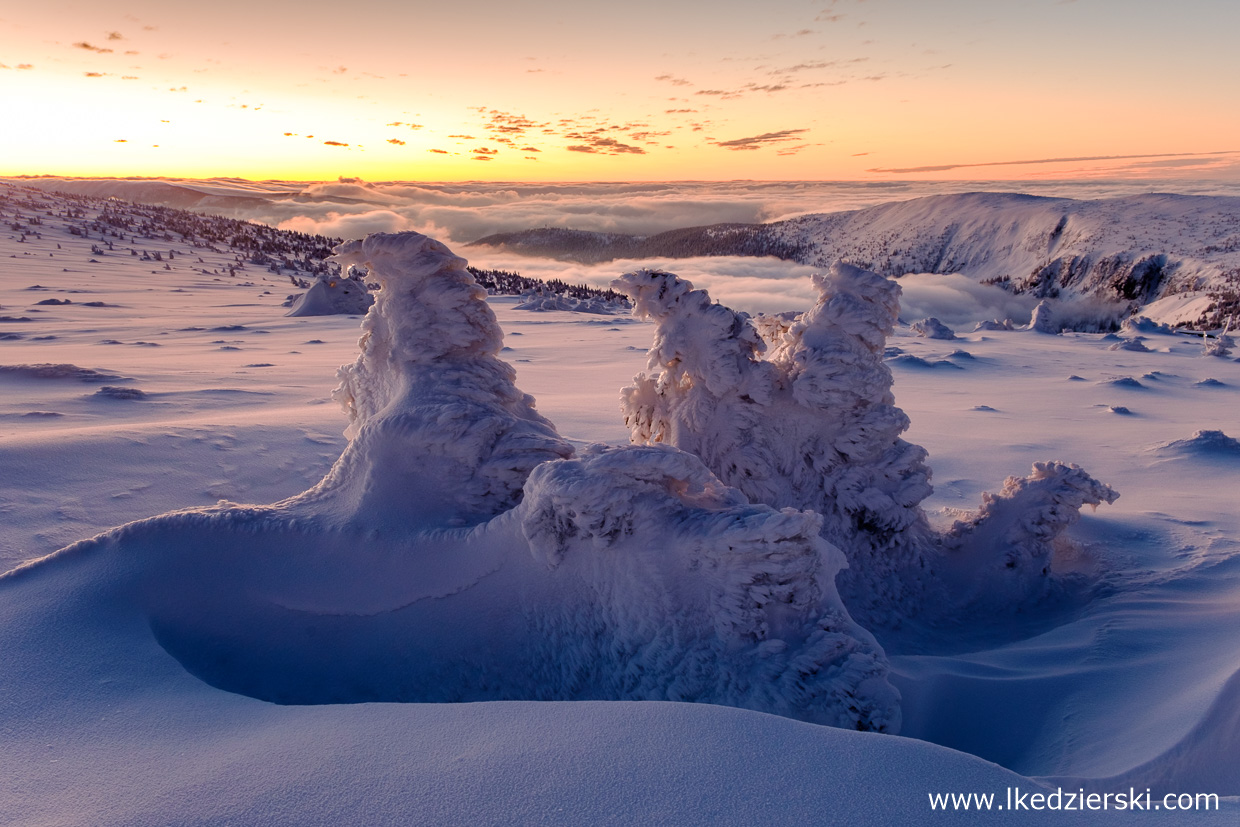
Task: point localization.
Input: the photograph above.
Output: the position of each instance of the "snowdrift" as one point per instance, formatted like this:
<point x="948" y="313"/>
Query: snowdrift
<point x="332" y="294"/>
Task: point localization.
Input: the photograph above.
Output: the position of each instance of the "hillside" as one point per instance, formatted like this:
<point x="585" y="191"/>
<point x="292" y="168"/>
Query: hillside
<point x="1180" y="253"/>
<point x="227" y="249"/>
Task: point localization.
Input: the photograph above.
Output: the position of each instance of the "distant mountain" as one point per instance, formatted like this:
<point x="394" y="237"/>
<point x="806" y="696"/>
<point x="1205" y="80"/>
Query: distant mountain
<point x="1181" y="250"/>
<point x="593" y="247"/>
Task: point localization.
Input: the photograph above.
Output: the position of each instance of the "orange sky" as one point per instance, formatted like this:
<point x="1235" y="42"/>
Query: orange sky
<point x="851" y="89"/>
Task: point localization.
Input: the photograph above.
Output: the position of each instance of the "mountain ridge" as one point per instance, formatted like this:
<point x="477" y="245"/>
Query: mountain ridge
<point x="1132" y="250"/>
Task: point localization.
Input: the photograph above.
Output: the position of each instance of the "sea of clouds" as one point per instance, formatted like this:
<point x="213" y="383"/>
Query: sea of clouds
<point x="459" y="213"/>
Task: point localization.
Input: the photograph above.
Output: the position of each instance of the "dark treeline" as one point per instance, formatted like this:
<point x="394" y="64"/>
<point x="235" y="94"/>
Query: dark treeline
<point x="505" y="283"/>
<point x="593" y="247"/>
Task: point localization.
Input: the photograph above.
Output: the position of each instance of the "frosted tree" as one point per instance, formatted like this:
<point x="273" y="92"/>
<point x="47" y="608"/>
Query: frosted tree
<point x="509" y="568"/>
<point x="806" y="420"/>
<point x="438" y="429"/>
<point x="797" y="411"/>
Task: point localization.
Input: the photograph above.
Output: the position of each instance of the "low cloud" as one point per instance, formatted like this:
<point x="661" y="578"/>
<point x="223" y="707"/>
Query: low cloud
<point x="462" y="212"/>
<point x="771" y="285"/>
<point x="756" y="285"/>
<point x="352" y="226"/>
<point x="959" y="300"/>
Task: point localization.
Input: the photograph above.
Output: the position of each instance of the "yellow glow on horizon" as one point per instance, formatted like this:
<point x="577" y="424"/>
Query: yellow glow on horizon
<point x="774" y="98"/>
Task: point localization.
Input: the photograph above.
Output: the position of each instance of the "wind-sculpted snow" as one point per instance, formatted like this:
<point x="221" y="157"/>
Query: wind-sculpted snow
<point x="332" y="294"/>
<point x="48" y="371"/>
<point x="1209" y="444"/>
<point x="797" y="411"/>
<point x="1044" y="320"/>
<point x="545" y="300"/>
<point x="932" y="328"/>
<point x="456" y="553"/>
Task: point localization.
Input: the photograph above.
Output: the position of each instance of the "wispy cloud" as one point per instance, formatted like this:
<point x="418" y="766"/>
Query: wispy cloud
<point x="814" y="65"/>
<point x="759" y="141"/>
<point x="1077" y="159"/>
<point x="801" y="33"/>
<point x="607" y="146"/>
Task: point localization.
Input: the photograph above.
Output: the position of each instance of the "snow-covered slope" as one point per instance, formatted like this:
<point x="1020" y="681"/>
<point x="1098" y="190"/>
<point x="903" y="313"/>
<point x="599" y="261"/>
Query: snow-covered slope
<point x="1130" y="251"/>
<point x="1128" y="682"/>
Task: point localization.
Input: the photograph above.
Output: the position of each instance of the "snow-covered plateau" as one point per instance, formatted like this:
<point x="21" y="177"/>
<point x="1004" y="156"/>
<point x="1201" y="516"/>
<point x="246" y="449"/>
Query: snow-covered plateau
<point x="536" y="565"/>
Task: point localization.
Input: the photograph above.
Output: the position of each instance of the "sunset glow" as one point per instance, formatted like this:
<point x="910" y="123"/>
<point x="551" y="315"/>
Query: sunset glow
<point x="839" y="89"/>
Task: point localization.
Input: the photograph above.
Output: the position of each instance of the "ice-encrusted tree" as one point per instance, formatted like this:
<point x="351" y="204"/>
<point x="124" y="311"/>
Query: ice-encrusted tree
<point x="436" y="421"/>
<point x="797" y="411"/>
<point x="497" y="565"/>
<point x="804" y="420"/>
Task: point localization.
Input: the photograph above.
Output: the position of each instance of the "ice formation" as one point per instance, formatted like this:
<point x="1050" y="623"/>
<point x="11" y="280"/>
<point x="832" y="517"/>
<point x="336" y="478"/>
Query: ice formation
<point x="1221" y="345"/>
<point x="332" y="294"/>
<point x="541" y="301"/>
<point x="932" y="328"/>
<point x="456" y="553"/>
<point x="797" y="411"/>
<point x="1043" y="320"/>
<point x="1206" y="443"/>
<point x="994" y="324"/>
<point x="1134" y="344"/>
<point x="1134" y="325"/>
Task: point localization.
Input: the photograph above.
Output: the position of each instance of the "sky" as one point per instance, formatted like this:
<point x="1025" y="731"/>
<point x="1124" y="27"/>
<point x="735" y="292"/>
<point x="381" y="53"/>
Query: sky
<point x="856" y="90"/>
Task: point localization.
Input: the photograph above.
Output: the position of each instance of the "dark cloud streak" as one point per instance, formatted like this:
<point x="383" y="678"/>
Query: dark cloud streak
<point x="758" y="141"/>
<point x="947" y="167"/>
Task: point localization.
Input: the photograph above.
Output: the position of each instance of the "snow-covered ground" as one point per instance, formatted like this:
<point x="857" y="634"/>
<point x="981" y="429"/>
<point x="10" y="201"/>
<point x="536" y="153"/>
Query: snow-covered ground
<point x="188" y="386"/>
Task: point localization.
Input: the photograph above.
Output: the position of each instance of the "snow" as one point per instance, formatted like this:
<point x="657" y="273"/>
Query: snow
<point x="332" y="294"/>
<point x="932" y="328"/>
<point x="812" y="425"/>
<point x="1160" y="250"/>
<point x="132" y="662"/>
